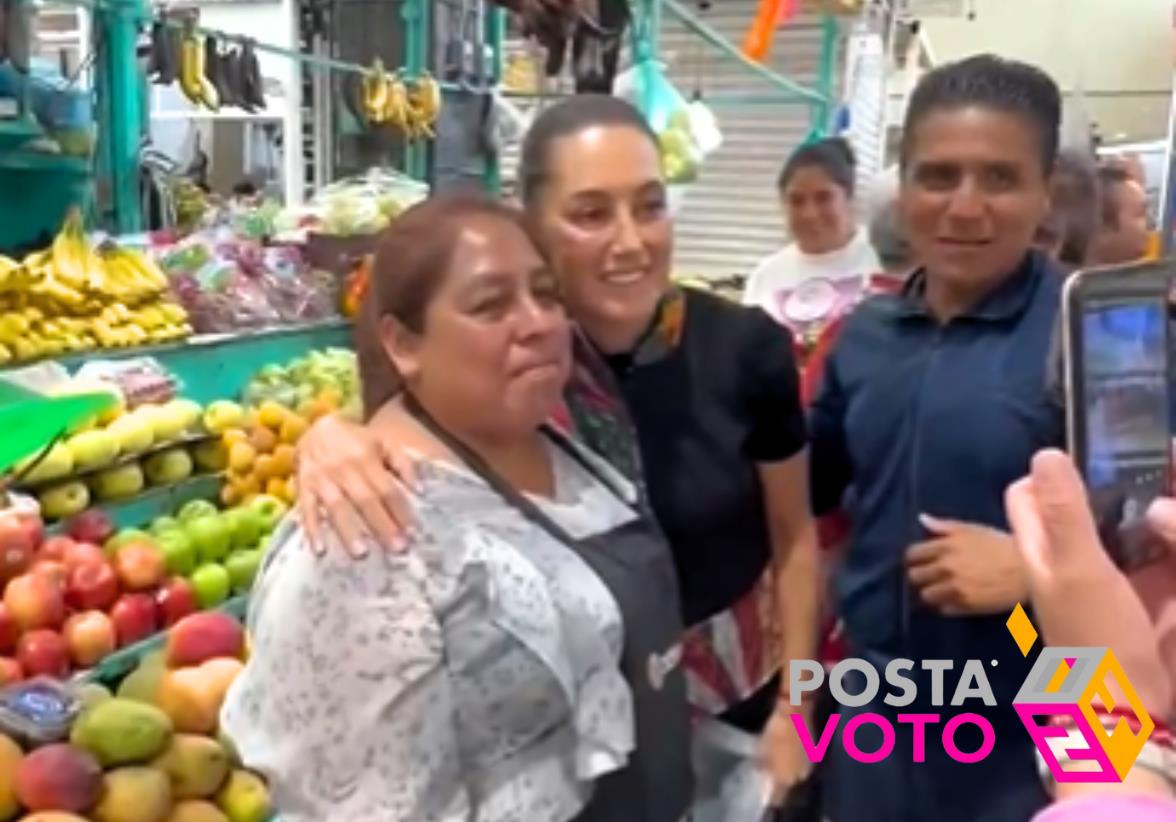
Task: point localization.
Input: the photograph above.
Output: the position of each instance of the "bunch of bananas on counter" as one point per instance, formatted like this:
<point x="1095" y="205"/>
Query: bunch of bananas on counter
<point x="71" y="297"/>
<point x="410" y="106"/>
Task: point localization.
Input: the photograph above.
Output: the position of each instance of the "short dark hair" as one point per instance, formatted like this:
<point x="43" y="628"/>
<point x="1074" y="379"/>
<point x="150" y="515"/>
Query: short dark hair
<point x="832" y="155"/>
<point x="411" y="260"/>
<point x="992" y="82"/>
<point x="568" y="118"/>
<point x="1111" y="175"/>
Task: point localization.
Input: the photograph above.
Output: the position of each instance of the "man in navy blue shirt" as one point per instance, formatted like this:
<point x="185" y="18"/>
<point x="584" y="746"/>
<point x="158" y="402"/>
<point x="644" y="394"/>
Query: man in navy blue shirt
<point x="932" y="404"/>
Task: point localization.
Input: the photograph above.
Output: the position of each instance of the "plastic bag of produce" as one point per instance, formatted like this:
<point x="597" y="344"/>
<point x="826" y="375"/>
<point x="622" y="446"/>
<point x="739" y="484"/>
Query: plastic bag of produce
<point x="687" y="131"/>
<point x="214" y="278"/>
<point x="363" y="204"/>
<point x="296" y="291"/>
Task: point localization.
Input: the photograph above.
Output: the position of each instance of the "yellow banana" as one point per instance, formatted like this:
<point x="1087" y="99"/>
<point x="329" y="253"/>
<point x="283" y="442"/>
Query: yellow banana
<point x="191" y="60"/>
<point x="375" y="92"/>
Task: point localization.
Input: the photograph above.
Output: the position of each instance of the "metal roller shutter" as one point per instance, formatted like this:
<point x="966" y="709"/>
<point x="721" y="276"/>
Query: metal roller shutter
<point x="732" y="218"/>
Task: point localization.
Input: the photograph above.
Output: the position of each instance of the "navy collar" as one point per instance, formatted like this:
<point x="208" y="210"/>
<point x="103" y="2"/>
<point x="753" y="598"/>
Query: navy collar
<point x="1007" y="302"/>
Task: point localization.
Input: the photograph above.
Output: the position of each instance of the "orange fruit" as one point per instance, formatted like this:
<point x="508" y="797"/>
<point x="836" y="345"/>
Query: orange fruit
<point x="234" y="435"/>
<point x="271" y="414"/>
<point x="230" y="495"/>
<point x="291" y="495"/>
<point x="284" y="460"/>
<point x="246" y="486"/>
<point x="263" y="439"/>
<point x="241" y="457"/>
<point x="276" y="487"/>
<point x="264" y="467"/>
<point x="293" y="427"/>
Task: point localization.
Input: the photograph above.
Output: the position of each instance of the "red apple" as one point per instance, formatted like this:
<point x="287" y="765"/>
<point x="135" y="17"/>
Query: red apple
<point x="83" y="553"/>
<point x="18" y="544"/>
<point x="43" y="653"/>
<point x="92" y="526"/>
<point x="90" y="636"/>
<point x="10" y="671"/>
<point x="134" y="618"/>
<point x="52" y="571"/>
<point x="55" y="548"/>
<point x="9" y="631"/>
<point x="34" y="602"/>
<point x="176" y="599"/>
<point x="139" y="566"/>
<point x="92" y="586"/>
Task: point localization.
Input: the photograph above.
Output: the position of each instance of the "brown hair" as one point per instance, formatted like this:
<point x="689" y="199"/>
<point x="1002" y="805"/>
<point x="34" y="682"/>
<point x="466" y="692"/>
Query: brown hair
<point x="411" y="261"/>
<point x="1072" y="222"/>
<point x="1111" y="175"/>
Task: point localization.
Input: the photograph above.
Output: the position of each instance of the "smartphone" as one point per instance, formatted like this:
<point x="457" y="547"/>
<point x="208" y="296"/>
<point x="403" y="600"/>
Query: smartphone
<point x="1118" y="398"/>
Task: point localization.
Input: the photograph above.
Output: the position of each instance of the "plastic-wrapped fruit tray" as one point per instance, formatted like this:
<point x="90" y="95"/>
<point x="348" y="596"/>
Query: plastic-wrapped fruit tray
<point x="111" y="670"/>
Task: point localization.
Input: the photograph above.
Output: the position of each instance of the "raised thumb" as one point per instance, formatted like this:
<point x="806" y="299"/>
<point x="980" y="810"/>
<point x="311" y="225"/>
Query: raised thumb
<point x="1065" y="511"/>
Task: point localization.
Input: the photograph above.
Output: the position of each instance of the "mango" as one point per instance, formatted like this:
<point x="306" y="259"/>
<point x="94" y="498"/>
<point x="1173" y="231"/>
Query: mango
<point x="134" y="795"/>
<point x="244" y="798"/>
<point x="195" y="810"/>
<point x="58" y="778"/>
<point x="52" y="816"/>
<point x="196" y="765"/>
<point x="122" y="732"/>
<point x="10" y="758"/>
<point x="199" y="637"/>
<point x="192" y="697"/>
<point x="142" y="684"/>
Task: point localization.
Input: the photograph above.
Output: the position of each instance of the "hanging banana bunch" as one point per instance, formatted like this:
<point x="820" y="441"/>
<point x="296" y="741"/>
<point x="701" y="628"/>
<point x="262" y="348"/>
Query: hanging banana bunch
<point x="375" y="88"/>
<point x="424" y="107"/>
<point x="193" y="81"/>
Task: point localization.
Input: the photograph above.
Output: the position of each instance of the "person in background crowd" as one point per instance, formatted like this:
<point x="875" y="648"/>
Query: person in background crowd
<point x="830" y="256"/>
<point x="1080" y="599"/>
<point x="933" y="403"/>
<point x="1069" y="229"/>
<point x="1122" y="235"/>
<point x="499" y="670"/>
<point x="890" y="243"/>
<point x="690" y="394"/>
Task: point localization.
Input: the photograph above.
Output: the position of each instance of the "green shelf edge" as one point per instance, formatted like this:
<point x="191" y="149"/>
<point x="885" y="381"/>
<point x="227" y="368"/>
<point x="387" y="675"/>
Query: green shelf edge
<point x="123" y="661"/>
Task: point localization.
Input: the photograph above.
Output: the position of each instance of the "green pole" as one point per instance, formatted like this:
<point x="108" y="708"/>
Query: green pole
<point x="826" y="79"/>
<point x="495" y="36"/>
<point x="124" y="110"/>
<point x="415" y="14"/>
<point x="646" y="30"/>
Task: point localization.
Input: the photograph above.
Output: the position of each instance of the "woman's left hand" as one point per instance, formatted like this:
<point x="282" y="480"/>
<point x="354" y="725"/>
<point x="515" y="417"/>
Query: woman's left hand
<point x="783" y="756"/>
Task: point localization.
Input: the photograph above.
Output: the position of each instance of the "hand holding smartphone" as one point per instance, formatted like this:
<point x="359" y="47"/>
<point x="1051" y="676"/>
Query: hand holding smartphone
<point x="1118" y="398"/>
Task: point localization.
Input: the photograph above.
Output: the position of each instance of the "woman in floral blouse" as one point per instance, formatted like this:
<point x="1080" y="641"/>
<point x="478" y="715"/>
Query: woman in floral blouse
<point x="694" y="397"/>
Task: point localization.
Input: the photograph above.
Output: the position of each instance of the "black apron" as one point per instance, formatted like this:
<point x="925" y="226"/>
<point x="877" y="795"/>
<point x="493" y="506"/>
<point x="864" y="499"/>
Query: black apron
<point x="635" y="564"/>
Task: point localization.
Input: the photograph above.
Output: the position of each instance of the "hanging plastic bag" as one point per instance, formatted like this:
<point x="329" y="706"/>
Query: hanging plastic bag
<point x="687" y="132"/>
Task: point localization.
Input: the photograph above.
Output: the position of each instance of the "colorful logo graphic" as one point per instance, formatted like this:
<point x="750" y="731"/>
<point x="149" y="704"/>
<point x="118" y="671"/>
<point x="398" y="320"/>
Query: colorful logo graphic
<point x="1060" y="695"/>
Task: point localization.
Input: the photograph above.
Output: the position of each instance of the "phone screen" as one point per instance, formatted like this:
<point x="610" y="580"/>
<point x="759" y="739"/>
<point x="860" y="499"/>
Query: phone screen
<point x="1127" y="453"/>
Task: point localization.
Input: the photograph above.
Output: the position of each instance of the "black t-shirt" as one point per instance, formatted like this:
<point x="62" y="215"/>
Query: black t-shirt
<point x="707" y="413"/>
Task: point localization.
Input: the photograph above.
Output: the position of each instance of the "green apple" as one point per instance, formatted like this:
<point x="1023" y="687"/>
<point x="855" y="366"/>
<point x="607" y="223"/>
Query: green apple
<point x="212" y="584"/>
<point x="168" y="467"/>
<point x="247" y="526"/>
<point x="242" y="567"/>
<point x="125" y="537"/>
<point x="133" y="433"/>
<point x="58" y="463"/>
<point x="270" y="509"/>
<point x="210" y="456"/>
<point x="210" y="536"/>
<point x="178" y="552"/>
<point x="196" y="509"/>
<point x="92" y="449"/>
<point x="161" y="524"/>
<point x="64" y="500"/>
<point x="118" y="483"/>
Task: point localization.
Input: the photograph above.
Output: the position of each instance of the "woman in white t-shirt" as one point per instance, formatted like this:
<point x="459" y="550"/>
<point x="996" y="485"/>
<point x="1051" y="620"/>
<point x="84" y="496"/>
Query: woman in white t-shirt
<point x="810" y="281"/>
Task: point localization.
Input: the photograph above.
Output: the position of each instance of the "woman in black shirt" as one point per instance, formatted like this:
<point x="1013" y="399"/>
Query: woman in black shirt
<point x="693" y="396"/>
